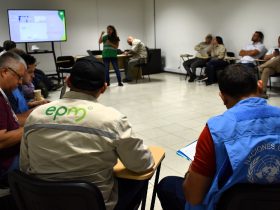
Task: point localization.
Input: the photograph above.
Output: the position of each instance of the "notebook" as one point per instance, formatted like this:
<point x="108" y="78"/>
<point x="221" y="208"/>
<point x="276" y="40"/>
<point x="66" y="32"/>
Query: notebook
<point x="188" y="151"/>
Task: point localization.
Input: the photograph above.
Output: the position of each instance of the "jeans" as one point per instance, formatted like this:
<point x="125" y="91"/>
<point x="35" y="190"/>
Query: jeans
<point x="212" y="67"/>
<point x="191" y="64"/>
<point x="129" y="194"/>
<point x="170" y="193"/>
<point x="250" y="65"/>
<point x="114" y="62"/>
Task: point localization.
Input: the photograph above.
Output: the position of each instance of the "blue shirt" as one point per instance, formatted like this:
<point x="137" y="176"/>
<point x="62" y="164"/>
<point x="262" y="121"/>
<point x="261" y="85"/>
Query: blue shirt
<point x="17" y="101"/>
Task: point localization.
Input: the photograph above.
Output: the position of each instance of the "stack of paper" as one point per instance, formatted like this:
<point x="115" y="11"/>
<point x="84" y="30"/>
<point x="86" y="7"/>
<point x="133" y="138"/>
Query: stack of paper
<point x="188" y="151"/>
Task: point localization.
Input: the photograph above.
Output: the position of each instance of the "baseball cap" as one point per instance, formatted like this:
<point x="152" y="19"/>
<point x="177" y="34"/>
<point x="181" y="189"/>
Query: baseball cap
<point x="88" y="74"/>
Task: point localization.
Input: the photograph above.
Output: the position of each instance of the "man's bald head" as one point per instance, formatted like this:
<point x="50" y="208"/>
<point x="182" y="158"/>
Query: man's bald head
<point x="130" y="40"/>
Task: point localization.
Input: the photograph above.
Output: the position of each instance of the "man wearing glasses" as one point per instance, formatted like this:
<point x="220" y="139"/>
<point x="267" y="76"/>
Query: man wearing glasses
<point x="20" y="103"/>
<point x="12" y="69"/>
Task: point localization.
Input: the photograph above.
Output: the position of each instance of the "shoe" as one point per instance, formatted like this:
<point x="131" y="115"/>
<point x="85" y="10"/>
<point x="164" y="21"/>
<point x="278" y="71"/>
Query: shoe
<point x="127" y="80"/>
<point x="120" y="84"/>
<point x="207" y="83"/>
<point x="192" y="78"/>
<point x="203" y="79"/>
<point x="200" y="77"/>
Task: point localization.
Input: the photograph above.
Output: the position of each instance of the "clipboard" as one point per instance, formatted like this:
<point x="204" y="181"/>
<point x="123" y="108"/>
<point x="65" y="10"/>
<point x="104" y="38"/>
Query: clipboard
<point x="188" y="151"/>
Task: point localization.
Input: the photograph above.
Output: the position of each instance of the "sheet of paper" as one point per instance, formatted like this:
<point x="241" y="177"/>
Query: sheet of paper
<point x="188" y="151"/>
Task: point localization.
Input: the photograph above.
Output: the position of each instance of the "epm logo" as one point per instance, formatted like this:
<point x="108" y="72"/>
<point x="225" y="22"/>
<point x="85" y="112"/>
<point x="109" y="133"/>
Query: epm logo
<point x="77" y="113"/>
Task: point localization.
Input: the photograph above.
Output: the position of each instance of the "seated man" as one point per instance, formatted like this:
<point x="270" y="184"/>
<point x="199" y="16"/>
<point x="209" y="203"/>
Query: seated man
<point x="200" y="59"/>
<point x="22" y="106"/>
<point x="78" y="138"/>
<point x="138" y="52"/>
<point x="253" y="51"/>
<point x="12" y="69"/>
<point x="271" y="66"/>
<point x="231" y="148"/>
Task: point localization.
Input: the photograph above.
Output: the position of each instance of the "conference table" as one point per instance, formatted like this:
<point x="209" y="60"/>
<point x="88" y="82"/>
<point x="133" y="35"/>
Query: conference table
<point x="122" y="59"/>
<point x="122" y="62"/>
<point x="122" y="172"/>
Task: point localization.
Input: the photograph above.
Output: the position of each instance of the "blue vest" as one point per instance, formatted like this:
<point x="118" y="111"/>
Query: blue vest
<point x="247" y="148"/>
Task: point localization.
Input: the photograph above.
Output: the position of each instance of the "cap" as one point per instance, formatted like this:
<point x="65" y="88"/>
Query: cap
<point x="88" y="74"/>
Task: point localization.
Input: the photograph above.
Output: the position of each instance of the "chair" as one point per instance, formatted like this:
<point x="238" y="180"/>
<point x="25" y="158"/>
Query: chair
<point x="64" y="64"/>
<point x="33" y="194"/>
<point x="143" y="62"/>
<point x="269" y="79"/>
<point x="62" y="91"/>
<point x="202" y="71"/>
<point x="230" y="57"/>
<point x="250" y="197"/>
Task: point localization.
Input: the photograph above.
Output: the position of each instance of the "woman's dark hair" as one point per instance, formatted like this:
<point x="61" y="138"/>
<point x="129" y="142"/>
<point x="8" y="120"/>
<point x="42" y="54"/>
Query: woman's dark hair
<point x="237" y="80"/>
<point x="114" y="36"/>
<point x="219" y="40"/>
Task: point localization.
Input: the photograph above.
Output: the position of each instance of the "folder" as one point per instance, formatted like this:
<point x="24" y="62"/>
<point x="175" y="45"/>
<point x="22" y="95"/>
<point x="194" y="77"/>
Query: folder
<point x="188" y="151"/>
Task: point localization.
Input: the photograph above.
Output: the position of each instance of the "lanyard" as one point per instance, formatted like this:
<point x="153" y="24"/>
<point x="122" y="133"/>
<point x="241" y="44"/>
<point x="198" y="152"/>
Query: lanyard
<point x="7" y="101"/>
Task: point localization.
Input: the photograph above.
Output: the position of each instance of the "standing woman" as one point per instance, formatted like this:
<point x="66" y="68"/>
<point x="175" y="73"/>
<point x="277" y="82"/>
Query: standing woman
<point x="109" y="54"/>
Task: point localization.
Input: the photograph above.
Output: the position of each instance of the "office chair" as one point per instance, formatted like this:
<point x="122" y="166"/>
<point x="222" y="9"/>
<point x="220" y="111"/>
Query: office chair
<point x="64" y="64"/>
<point x="143" y="64"/>
<point x="33" y="194"/>
<point x="250" y="197"/>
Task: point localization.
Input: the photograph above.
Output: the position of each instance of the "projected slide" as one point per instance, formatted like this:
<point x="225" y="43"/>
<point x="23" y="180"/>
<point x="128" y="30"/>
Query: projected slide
<point x="37" y="25"/>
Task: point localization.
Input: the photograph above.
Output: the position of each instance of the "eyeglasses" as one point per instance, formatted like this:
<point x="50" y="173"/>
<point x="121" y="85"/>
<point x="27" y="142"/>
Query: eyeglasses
<point x="17" y="74"/>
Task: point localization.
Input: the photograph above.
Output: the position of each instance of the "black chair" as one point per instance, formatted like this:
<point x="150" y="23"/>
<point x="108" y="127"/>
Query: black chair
<point x="142" y="65"/>
<point x="231" y="56"/>
<point x="62" y="91"/>
<point x="202" y="72"/>
<point x="250" y="197"/>
<point x="33" y="194"/>
<point x="64" y="64"/>
<point x="269" y="79"/>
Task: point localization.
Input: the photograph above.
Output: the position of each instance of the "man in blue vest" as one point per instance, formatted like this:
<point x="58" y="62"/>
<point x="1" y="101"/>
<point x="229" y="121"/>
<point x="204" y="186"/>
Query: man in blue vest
<point x="241" y="145"/>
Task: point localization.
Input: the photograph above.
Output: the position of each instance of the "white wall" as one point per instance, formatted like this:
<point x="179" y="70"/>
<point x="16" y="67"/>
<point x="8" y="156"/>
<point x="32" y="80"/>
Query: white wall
<point x="180" y="24"/>
<point x="85" y="21"/>
<point x="149" y="26"/>
<point x="183" y="23"/>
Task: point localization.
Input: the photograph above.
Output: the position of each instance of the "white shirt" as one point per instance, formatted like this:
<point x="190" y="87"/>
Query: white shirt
<point x="254" y="46"/>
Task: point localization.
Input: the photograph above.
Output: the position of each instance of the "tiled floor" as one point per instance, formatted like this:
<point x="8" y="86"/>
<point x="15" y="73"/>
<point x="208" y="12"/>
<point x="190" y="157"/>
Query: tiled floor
<point x="168" y="112"/>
